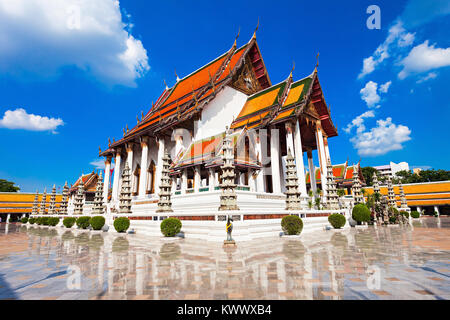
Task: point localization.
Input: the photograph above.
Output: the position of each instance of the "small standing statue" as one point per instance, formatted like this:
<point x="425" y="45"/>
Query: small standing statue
<point x="229" y="228"/>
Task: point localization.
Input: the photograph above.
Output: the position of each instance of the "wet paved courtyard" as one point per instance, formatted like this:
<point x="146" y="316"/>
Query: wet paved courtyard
<point x="375" y="263"/>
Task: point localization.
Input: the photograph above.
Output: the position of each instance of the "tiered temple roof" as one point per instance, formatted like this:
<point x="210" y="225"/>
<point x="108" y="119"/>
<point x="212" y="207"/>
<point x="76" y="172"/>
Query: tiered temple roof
<point x="189" y="95"/>
<point x="89" y="183"/>
<point x="343" y="175"/>
<point x="209" y="151"/>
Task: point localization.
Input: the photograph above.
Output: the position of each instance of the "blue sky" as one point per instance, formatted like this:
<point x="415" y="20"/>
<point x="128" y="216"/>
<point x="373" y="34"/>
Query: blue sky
<point x="75" y="72"/>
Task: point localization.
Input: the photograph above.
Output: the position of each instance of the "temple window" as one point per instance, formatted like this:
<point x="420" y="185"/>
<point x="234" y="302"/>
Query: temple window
<point x="136" y="175"/>
<point x="151" y="178"/>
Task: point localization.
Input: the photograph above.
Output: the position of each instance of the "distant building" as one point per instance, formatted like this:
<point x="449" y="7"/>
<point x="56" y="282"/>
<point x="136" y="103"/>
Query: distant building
<point x="392" y="168"/>
<point x="417" y="170"/>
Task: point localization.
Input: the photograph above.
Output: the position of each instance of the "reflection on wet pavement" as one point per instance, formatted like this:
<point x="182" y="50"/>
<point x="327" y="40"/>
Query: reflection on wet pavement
<point x="374" y="263"/>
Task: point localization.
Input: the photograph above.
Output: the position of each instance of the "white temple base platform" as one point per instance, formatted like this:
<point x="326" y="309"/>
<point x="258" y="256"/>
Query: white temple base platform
<point x="247" y="225"/>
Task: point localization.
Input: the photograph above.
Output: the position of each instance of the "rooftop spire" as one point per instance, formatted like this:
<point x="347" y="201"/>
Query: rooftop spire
<point x="256" y="29"/>
<point x="317" y="61"/>
<point x="167" y="88"/>
<point x="292" y="70"/>
<point x="235" y="39"/>
<point x="178" y="79"/>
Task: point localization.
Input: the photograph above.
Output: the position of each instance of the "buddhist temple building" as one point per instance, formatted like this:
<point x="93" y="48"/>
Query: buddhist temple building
<point x="89" y="184"/>
<point x="189" y="121"/>
<point x="343" y="175"/>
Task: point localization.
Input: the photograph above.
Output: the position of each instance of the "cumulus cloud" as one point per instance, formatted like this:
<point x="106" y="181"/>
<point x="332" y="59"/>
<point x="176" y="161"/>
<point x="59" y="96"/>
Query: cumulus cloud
<point x="424" y="57"/>
<point x="358" y="122"/>
<point x="20" y="119"/>
<point x="100" y="164"/>
<point x="41" y="37"/>
<point x="397" y="37"/>
<point x="429" y="76"/>
<point x="386" y="136"/>
<point x="385" y="87"/>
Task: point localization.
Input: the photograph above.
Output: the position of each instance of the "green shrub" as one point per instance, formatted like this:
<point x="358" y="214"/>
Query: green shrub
<point x="392" y="219"/>
<point x="405" y="213"/>
<point x="83" y="222"/>
<point x="292" y="225"/>
<point x="97" y="222"/>
<point x="170" y="227"/>
<point x="44" y="221"/>
<point x="436" y="214"/>
<point x="361" y="213"/>
<point x="336" y="220"/>
<point x="53" y="221"/>
<point x="121" y="224"/>
<point x="415" y="214"/>
<point x="69" y="222"/>
<point x="31" y="220"/>
<point x="24" y="220"/>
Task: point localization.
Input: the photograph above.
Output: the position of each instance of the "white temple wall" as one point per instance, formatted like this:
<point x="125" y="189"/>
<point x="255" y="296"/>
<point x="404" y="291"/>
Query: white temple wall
<point x="220" y="112"/>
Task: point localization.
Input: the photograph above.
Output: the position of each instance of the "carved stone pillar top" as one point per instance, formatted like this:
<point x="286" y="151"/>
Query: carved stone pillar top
<point x="143" y="140"/>
<point x="129" y="146"/>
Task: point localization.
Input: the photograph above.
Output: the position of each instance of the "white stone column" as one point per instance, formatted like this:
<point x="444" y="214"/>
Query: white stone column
<point x="419" y="209"/>
<point x="144" y="167"/>
<point x="115" y="190"/>
<point x="260" y="176"/>
<point x="174" y="184"/>
<point x="130" y="156"/>
<point x="184" y="178"/>
<point x="211" y="179"/>
<point x="161" y="149"/>
<point x="251" y="180"/>
<point x="107" y="178"/>
<point x="197" y="179"/>
<point x="327" y="149"/>
<point x="299" y="160"/>
<point x="322" y="160"/>
<point x="312" y="172"/>
<point x="275" y="160"/>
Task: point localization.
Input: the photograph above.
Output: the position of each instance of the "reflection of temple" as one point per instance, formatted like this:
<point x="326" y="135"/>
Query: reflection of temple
<point x="189" y="120"/>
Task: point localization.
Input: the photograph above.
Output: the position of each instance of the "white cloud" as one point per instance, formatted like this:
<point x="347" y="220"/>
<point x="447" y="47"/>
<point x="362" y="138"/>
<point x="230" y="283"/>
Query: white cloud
<point x="397" y="37"/>
<point x="429" y="76"/>
<point x="369" y="94"/>
<point x="20" y="119"/>
<point x="423" y="58"/>
<point x="383" y="138"/>
<point x="358" y="122"/>
<point x="41" y="37"/>
<point x="100" y="164"/>
<point x="385" y="87"/>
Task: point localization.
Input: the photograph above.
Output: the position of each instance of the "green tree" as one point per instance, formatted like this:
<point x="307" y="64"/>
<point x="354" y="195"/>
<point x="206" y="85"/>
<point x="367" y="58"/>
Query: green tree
<point x="368" y="174"/>
<point x="8" y="186"/>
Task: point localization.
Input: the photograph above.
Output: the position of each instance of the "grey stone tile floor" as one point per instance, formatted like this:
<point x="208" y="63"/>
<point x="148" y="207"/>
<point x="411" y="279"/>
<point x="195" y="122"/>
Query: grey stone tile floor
<point x="406" y="262"/>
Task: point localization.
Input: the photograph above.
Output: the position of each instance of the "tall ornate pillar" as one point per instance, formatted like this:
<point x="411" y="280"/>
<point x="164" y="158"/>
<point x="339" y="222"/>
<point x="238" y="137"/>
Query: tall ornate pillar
<point x="144" y="166"/>
<point x="211" y="181"/>
<point x="327" y="150"/>
<point x="299" y="160"/>
<point x="117" y="163"/>
<point x="184" y="178"/>
<point x="130" y="155"/>
<point x="275" y="160"/>
<point x="197" y="179"/>
<point x="107" y="178"/>
<point x="322" y="160"/>
<point x="312" y="171"/>
<point x="260" y="176"/>
<point x="159" y="164"/>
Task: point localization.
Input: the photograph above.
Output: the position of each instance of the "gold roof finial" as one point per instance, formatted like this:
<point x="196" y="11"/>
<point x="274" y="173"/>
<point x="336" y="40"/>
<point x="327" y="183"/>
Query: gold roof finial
<point x="293" y="68"/>
<point x="256" y="29"/>
<point x="178" y="79"/>
<point x="127" y="128"/>
<point x="317" y="58"/>
<point x="167" y="88"/>
<point x="142" y="115"/>
<point x="109" y="142"/>
<point x="99" y="150"/>
<point x="124" y="132"/>
<point x="235" y="39"/>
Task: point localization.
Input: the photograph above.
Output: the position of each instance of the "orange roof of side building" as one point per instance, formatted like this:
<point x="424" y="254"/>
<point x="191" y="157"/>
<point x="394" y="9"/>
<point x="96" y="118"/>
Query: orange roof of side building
<point x="421" y="194"/>
<point x="20" y="202"/>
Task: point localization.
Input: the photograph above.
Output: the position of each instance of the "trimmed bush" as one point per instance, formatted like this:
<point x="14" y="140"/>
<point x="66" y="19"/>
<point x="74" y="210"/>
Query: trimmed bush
<point x="53" y="221"/>
<point x="292" y="225"/>
<point x="392" y="220"/>
<point x="121" y="224"/>
<point x="83" y="222"/>
<point x="415" y="214"/>
<point x="361" y="213"/>
<point x="43" y="221"/>
<point x="336" y="220"/>
<point x="69" y="222"/>
<point x="97" y="222"/>
<point x="24" y="220"/>
<point x="170" y="227"/>
<point x="31" y="220"/>
<point x="405" y="213"/>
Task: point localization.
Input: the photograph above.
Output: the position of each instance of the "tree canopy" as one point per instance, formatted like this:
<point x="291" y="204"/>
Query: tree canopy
<point x="430" y="175"/>
<point x="368" y="174"/>
<point x="8" y="186"/>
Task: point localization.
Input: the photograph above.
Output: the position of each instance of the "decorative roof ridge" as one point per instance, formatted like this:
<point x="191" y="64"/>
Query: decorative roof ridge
<point x="266" y="89"/>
